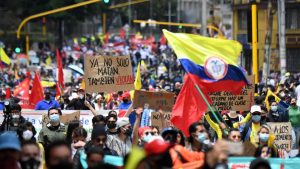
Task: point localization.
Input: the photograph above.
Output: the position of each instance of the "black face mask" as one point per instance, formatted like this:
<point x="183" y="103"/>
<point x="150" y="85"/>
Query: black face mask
<point x="125" y="100"/>
<point x="65" y="164"/>
<point x="47" y="97"/>
<point x="111" y="125"/>
<point x="30" y="164"/>
<point x="128" y="132"/>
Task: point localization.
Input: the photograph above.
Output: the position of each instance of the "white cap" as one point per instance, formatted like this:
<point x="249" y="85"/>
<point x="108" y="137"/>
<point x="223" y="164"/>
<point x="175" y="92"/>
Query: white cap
<point x="122" y="122"/>
<point x="98" y="96"/>
<point x="255" y="108"/>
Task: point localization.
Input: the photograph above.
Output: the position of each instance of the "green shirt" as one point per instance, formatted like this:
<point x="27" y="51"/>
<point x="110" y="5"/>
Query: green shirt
<point x="50" y="134"/>
<point x="294" y="116"/>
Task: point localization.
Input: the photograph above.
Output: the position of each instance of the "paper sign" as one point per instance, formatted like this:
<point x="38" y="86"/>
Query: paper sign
<point x="157" y="121"/>
<point x="228" y="101"/>
<point x="283" y="134"/>
<point x="108" y="74"/>
<point x="156" y="100"/>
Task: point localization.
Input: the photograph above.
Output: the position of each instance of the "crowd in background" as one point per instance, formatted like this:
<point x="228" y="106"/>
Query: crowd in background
<point x="115" y="138"/>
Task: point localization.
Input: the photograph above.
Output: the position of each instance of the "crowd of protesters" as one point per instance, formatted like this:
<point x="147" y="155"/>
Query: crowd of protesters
<point x="115" y="138"/>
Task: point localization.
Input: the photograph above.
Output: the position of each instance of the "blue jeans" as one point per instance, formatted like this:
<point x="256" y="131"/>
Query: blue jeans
<point x="297" y="135"/>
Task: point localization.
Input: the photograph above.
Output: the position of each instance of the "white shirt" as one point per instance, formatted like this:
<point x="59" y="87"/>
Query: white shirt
<point x="298" y="95"/>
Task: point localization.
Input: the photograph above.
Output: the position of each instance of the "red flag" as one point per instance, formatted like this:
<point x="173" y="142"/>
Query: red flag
<point x="22" y="90"/>
<point x="37" y="91"/>
<point x="8" y="93"/>
<point x="189" y="106"/>
<point x="57" y="91"/>
<point x="122" y="33"/>
<point x="60" y="70"/>
<point x="163" y="40"/>
<point x="106" y="38"/>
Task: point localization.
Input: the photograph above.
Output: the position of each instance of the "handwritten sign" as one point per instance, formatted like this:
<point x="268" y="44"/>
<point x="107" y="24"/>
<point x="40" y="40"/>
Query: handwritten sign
<point x="161" y="123"/>
<point x="283" y="134"/>
<point x="108" y="74"/>
<point x="156" y="100"/>
<point x="228" y="101"/>
<point x="65" y="118"/>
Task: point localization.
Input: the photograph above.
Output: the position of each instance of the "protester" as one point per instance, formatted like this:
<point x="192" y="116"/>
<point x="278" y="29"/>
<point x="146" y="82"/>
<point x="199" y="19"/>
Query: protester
<point x="54" y="130"/>
<point x="15" y="120"/>
<point x="94" y="157"/>
<point x="99" y="120"/>
<point x="30" y="155"/>
<point x="71" y="126"/>
<point x="79" y="136"/>
<point x="47" y="102"/>
<point x="155" y="130"/>
<point x="145" y="135"/>
<point x="277" y="114"/>
<point x="259" y="163"/>
<point x="58" y="155"/>
<point x="100" y="103"/>
<point x="79" y="103"/>
<point x="27" y="132"/>
<point x="111" y="120"/>
<point x="10" y="149"/>
<point x="235" y="135"/>
<point x="266" y="138"/>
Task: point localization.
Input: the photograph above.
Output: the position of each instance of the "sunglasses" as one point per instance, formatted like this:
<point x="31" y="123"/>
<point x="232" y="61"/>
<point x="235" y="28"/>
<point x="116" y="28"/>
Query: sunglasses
<point x="236" y="136"/>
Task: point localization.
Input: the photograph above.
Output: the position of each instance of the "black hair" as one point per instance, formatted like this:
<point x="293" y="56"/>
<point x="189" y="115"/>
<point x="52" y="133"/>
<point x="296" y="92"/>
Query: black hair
<point x="53" y="108"/>
<point x="23" y="127"/>
<point x="72" y="125"/>
<point x="260" y="148"/>
<point x="16" y="106"/>
<point x="94" y="150"/>
<point x="79" y="132"/>
<point x="111" y="115"/>
<point x="104" y="165"/>
<point x="30" y="142"/>
<point x="182" y="142"/>
<point x="193" y="129"/>
<point x="55" y="144"/>
<point x="233" y="129"/>
<point x="98" y="118"/>
<point x="157" y="128"/>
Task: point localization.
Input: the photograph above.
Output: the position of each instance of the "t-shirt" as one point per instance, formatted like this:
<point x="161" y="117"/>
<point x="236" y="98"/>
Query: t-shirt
<point x="294" y="116"/>
<point x="121" y="147"/>
<point x="298" y="95"/>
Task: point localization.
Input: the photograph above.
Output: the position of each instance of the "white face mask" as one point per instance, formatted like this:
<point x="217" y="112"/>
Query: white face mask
<point x="27" y="135"/>
<point x="81" y="96"/>
<point x="15" y="116"/>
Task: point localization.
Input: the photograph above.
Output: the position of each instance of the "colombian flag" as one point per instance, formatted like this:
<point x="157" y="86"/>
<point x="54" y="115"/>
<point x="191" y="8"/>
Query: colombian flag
<point x="211" y="64"/>
<point x="209" y="60"/>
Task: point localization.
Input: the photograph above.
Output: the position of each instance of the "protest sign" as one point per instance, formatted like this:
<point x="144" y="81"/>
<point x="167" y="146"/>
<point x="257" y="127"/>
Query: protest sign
<point x="156" y="100"/>
<point x="228" y="101"/>
<point x="283" y="134"/>
<point x="108" y="74"/>
<point x="161" y="123"/>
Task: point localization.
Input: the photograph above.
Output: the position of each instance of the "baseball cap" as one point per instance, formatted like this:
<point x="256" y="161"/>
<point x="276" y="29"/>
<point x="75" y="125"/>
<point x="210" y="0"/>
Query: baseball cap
<point x="10" y="140"/>
<point x="168" y="130"/>
<point x="255" y="108"/>
<point x="122" y="122"/>
<point x="156" y="146"/>
<point x="126" y="94"/>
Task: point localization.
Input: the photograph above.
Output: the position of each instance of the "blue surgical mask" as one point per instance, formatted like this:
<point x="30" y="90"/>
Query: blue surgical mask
<point x="274" y="108"/>
<point x="54" y="118"/>
<point x="147" y="138"/>
<point x="201" y="137"/>
<point x="256" y="118"/>
<point x="263" y="137"/>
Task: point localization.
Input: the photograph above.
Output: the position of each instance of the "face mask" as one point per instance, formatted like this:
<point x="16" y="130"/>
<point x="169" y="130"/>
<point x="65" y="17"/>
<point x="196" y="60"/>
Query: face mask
<point x="256" y="118"/>
<point x="274" y="108"/>
<point x="27" y="135"/>
<point x="81" y="96"/>
<point x="111" y="125"/>
<point x="54" y="118"/>
<point x="47" y="97"/>
<point x="293" y="104"/>
<point x="128" y="132"/>
<point x="201" y="137"/>
<point x="30" y="163"/>
<point x="263" y="137"/>
<point x="15" y="116"/>
<point x="65" y="164"/>
<point x="147" y="138"/>
<point x="125" y="100"/>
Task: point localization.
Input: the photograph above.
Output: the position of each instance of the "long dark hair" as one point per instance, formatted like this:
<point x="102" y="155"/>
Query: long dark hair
<point x="72" y="125"/>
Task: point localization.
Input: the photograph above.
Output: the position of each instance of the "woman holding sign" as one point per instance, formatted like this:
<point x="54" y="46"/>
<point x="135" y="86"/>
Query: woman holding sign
<point x="266" y="139"/>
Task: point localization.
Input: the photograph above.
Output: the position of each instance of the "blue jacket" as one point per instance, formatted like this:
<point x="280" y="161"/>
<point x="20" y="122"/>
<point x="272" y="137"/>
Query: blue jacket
<point x="44" y="105"/>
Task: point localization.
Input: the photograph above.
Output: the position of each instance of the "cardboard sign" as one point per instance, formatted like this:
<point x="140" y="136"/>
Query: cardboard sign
<point x="65" y="118"/>
<point x="108" y="74"/>
<point x="156" y="100"/>
<point x="283" y="134"/>
<point x="228" y="101"/>
<point x="157" y="121"/>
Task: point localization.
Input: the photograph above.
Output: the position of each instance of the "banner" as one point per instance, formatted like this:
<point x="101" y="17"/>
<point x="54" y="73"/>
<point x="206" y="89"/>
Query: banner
<point x="156" y="119"/>
<point x="156" y="100"/>
<point x="276" y="163"/>
<point x="283" y="134"/>
<point x="227" y="101"/>
<point x="108" y="74"/>
<point x="36" y="118"/>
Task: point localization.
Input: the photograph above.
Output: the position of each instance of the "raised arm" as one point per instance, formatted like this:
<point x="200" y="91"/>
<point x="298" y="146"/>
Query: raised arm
<point x="136" y="126"/>
<point x="87" y="104"/>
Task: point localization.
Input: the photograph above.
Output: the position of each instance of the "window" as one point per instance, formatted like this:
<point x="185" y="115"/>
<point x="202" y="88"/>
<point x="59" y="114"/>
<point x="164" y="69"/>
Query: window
<point x="292" y="60"/>
<point x="292" y="18"/>
<point x="242" y="19"/>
